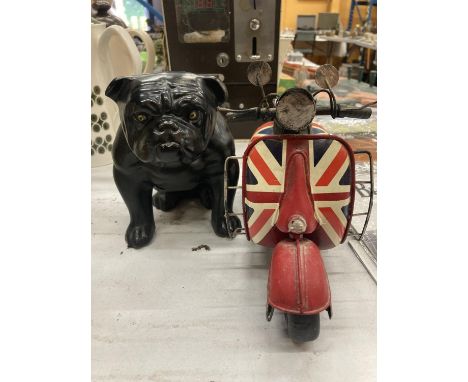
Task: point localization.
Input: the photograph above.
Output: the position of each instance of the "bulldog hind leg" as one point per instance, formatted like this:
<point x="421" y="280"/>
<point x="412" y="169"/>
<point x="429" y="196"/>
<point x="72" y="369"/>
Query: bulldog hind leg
<point x="206" y="196"/>
<point x="166" y="201"/>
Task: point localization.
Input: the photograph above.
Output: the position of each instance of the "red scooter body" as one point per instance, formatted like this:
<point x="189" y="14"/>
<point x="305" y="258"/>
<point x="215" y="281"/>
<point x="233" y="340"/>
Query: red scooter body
<point x="298" y="281"/>
<point x="298" y="187"/>
<point x="287" y="178"/>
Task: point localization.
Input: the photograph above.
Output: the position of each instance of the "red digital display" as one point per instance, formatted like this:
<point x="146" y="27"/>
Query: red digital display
<point x="203" y="4"/>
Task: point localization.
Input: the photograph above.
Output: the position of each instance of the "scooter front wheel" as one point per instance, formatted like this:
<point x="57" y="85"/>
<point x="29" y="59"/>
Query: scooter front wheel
<point x="303" y="328"/>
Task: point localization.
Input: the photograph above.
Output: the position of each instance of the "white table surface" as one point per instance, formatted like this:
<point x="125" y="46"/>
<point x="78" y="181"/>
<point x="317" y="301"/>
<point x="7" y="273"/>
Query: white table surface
<point x="167" y="313"/>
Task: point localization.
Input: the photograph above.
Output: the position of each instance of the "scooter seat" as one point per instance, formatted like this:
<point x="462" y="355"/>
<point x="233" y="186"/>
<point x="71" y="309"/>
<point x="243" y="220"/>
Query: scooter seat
<point x="331" y="179"/>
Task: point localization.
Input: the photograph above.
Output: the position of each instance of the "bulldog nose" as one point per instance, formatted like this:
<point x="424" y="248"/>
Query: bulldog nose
<point x="167" y="126"/>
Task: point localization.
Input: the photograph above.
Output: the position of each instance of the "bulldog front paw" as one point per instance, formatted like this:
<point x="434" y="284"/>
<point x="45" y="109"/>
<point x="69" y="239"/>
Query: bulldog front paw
<point x="138" y="236"/>
<point x="221" y="228"/>
<point x="165" y="201"/>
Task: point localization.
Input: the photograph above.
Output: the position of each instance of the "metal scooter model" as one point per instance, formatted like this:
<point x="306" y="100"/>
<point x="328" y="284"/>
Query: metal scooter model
<point x="298" y="185"/>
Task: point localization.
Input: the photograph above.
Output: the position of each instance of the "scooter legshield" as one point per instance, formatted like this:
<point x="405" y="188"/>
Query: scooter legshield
<point x="298" y="281"/>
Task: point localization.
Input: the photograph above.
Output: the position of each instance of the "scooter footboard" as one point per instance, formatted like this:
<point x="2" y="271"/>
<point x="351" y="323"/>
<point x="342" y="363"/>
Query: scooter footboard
<point x="298" y="282"/>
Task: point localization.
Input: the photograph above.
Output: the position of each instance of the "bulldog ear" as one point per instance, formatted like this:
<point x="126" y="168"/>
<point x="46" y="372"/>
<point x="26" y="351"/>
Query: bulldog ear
<point x="217" y="87"/>
<point x="119" y="88"/>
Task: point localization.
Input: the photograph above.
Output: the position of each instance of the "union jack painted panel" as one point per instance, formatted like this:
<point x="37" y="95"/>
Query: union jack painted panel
<point x="331" y="181"/>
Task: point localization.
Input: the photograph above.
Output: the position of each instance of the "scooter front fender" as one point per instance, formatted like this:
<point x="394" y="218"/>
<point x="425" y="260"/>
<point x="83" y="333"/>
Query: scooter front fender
<point x="298" y="282"/>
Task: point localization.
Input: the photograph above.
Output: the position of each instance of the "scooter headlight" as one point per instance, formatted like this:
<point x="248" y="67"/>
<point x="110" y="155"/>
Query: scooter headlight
<point x="295" y="109"/>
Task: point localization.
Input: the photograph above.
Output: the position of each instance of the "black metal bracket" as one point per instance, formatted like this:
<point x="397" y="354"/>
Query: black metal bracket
<point x="330" y="311"/>
<point x="269" y="312"/>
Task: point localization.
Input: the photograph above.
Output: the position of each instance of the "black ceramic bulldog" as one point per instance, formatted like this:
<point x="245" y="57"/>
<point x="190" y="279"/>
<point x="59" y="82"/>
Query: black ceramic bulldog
<point x="172" y="139"/>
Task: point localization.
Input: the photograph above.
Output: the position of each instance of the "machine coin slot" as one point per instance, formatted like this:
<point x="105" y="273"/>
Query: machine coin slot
<point x="254" y="46"/>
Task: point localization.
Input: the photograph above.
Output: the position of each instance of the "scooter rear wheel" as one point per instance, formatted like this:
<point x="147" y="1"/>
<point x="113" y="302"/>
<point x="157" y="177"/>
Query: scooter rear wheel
<point x="303" y="328"/>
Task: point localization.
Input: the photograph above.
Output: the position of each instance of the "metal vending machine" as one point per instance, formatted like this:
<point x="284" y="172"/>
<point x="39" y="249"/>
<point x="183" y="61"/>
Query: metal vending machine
<point x="223" y="37"/>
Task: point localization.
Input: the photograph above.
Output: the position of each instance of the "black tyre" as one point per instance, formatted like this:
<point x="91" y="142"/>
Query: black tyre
<point x="303" y="328"/>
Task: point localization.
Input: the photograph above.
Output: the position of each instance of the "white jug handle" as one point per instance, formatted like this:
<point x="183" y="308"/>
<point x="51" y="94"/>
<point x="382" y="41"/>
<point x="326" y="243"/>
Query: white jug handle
<point x="149" y="46"/>
<point x="119" y="33"/>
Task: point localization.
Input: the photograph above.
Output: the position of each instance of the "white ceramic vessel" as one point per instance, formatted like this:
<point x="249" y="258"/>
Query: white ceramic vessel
<point x="113" y="54"/>
<point x="149" y="47"/>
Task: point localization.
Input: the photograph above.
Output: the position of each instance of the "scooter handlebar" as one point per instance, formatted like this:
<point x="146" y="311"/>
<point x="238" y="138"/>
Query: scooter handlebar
<point x="267" y="114"/>
<point x="359" y="113"/>
<point x="251" y="114"/>
<point x="243" y="115"/>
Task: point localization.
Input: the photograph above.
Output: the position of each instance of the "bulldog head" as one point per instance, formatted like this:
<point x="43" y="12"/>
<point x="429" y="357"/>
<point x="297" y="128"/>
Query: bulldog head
<point x="168" y="117"/>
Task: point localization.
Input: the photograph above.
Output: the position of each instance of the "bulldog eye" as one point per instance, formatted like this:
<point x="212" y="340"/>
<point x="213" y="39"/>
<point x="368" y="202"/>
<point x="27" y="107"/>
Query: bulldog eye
<point x="193" y="116"/>
<point x="141" y="117"/>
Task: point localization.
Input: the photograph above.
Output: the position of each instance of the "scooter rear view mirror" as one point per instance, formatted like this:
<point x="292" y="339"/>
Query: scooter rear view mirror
<point x="326" y="76"/>
<point x="259" y="73"/>
<point x="295" y="109"/>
